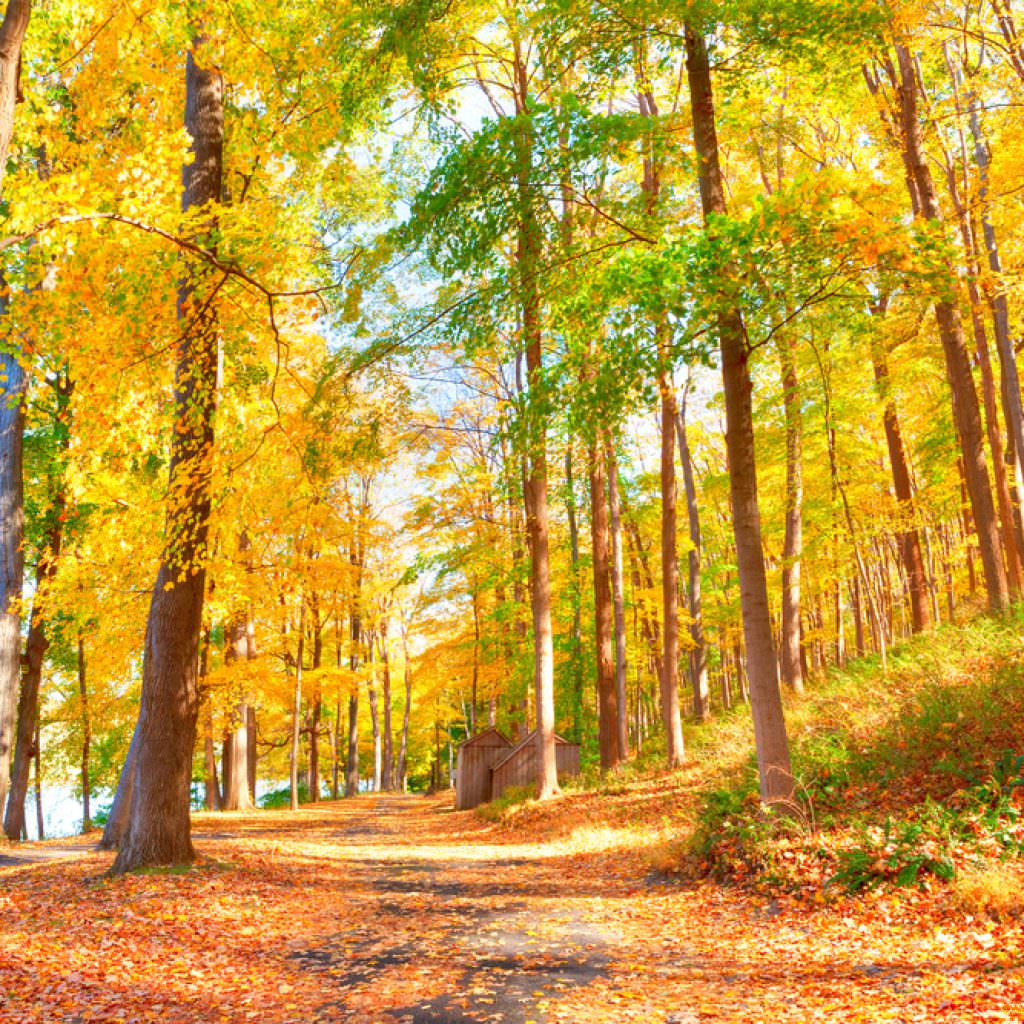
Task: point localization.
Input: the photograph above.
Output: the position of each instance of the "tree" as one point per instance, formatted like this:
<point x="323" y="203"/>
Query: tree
<point x="769" y="723"/>
<point x="158" y="829"/>
<point x="12" y="422"/>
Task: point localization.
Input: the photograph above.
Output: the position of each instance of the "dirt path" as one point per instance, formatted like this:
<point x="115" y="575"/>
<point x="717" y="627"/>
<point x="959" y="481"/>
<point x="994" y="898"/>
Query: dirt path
<point x="398" y="910"/>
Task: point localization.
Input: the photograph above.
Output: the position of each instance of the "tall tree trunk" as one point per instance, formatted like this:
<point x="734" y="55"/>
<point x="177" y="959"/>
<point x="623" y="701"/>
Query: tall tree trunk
<point x="1010" y="392"/>
<point x="388" y="772"/>
<point x="37" y="752"/>
<point x="619" y="601"/>
<point x="240" y="648"/>
<point x="293" y="755"/>
<point x="404" y="746"/>
<point x="775" y="772"/>
<point x="355" y="636"/>
<point x="38" y="637"/>
<point x="528" y="258"/>
<point x="908" y="535"/>
<point x="158" y="830"/>
<point x="35" y="650"/>
<point x="371" y="697"/>
<point x="698" y="653"/>
<point x="12" y="426"/>
<point x="315" y="712"/>
<point x="83" y="694"/>
<point x="792" y="551"/>
<point x="958" y="364"/>
<point x="12" y="529"/>
<point x="577" y="596"/>
<point x="607" y="707"/>
<point x="236" y="746"/>
<point x="117" y="819"/>
<point x="669" y="566"/>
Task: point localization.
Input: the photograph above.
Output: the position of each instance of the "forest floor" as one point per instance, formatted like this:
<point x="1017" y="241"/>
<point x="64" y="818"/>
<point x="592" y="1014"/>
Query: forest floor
<point x="398" y="909"/>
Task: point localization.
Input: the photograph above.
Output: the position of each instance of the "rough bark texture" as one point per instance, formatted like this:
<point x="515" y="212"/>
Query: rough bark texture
<point x="83" y="694"/>
<point x="792" y="551"/>
<point x="1010" y="393"/>
<point x="669" y="572"/>
<point x="404" y="745"/>
<point x="241" y="648"/>
<point x="12" y="425"/>
<point x="293" y="753"/>
<point x="958" y="363"/>
<point x="619" y="602"/>
<point x="158" y="829"/>
<point x="607" y="708"/>
<point x="908" y="535"/>
<point x="387" y="779"/>
<point x="698" y="654"/>
<point x="35" y="650"/>
<point x="776" y="775"/>
<point x="236" y="750"/>
<point x="528" y="254"/>
<point x="117" y="819"/>
<point x="12" y="562"/>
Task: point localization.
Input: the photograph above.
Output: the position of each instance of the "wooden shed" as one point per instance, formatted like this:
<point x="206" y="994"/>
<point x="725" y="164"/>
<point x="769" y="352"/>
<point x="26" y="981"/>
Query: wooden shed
<point x="473" y="773"/>
<point x="519" y="766"/>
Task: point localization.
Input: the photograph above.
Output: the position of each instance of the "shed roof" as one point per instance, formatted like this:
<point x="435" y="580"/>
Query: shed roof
<point x="487" y="738"/>
<point x="527" y="740"/>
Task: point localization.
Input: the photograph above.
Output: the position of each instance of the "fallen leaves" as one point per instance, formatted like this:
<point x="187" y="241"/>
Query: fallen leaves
<point x="377" y="912"/>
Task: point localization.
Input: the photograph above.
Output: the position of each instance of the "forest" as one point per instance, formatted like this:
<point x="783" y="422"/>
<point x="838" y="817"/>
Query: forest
<point x="634" y="377"/>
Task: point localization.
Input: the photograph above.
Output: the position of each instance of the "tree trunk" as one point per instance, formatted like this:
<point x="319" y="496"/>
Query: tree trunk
<point x="528" y="257"/>
<point x="293" y="758"/>
<point x="619" y="601"/>
<point x="120" y="809"/>
<point x="211" y="784"/>
<point x="38" y="759"/>
<point x="38" y="639"/>
<point x="1013" y="409"/>
<point x="908" y="536"/>
<point x="966" y="414"/>
<point x="12" y="529"/>
<point x="83" y="694"/>
<point x="236" y="746"/>
<point x="12" y="426"/>
<point x="669" y="566"/>
<point x="404" y="746"/>
<point x="792" y="551"/>
<point x="698" y="654"/>
<point x="776" y="775"/>
<point x="577" y="597"/>
<point x="371" y="695"/>
<point x="607" y="707"/>
<point x="315" y="713"/>
<point x="158" y="830"/>
<point x="388" y="772"/>
<point x="35" y="650"/>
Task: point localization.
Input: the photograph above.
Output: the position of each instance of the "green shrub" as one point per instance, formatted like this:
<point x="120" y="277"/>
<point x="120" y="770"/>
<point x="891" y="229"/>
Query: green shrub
<point x="279" y="798"/>
<point x="897" y="854"/>
<point x="498" y="809"/>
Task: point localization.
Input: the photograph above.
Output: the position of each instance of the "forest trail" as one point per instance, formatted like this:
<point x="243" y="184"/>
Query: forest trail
<point x="398" y="910"/>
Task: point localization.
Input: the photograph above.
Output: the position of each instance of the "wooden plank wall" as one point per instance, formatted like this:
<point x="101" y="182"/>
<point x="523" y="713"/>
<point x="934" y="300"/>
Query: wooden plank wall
<point x="473" y="781"/>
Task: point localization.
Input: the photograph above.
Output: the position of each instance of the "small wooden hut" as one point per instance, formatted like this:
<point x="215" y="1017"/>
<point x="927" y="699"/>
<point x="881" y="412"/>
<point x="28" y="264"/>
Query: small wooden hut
<point x="473" y="772"/>
<point x="519" y="766"/>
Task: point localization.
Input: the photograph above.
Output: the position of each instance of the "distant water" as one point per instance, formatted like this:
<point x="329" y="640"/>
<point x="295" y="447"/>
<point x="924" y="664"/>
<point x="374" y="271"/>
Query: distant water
<point x="62" y="811"/>
<point x="62" y="807"/>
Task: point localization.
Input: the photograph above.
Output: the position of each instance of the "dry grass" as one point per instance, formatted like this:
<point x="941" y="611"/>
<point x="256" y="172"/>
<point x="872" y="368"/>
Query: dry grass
<point x="994" y="890"/>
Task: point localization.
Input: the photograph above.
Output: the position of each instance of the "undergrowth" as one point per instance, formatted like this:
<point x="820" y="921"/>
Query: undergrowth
<point x="900" y="780"/>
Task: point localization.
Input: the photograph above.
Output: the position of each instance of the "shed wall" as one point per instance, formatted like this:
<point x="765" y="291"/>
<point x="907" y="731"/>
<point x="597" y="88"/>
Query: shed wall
<point x="473" y="781"/>
<point x="521" y="768"/>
